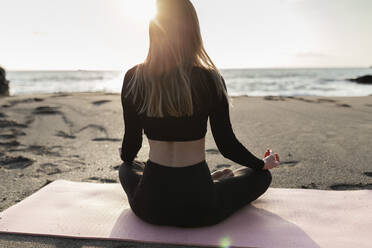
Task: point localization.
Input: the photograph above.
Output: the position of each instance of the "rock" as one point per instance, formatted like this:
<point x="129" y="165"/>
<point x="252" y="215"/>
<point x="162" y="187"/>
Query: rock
<point x="4" y="84"/>
<point x="362" y="80"/>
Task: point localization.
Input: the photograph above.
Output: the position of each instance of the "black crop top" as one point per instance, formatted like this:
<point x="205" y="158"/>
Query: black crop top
<point x="186" y="128"/>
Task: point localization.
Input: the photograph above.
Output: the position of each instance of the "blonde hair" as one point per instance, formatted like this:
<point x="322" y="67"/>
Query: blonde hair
<point x="162" y="83"/>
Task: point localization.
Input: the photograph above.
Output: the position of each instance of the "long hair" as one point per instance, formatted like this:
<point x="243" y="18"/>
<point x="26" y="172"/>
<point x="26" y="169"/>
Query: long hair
<point x="162" y="83"/>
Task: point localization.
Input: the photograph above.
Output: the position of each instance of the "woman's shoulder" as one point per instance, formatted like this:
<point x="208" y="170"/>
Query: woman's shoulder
<point x="208" y="76"/>
<point x="128" y="76"/>
<point x="211" y="78"/>
<point x="130" y="72"/>
<point x="203" y="71"/>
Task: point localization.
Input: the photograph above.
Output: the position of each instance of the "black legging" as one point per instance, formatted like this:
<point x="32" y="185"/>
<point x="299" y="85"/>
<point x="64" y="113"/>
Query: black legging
<point x="187" y="196"/>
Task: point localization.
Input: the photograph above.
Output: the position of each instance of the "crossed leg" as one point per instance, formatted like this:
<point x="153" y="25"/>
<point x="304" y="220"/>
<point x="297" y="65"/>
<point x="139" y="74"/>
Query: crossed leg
<point x="235" y="192"/>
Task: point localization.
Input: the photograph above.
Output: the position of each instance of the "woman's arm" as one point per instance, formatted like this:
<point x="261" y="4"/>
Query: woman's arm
<point x="224" y="136"/>
<point x="132" y="140"/>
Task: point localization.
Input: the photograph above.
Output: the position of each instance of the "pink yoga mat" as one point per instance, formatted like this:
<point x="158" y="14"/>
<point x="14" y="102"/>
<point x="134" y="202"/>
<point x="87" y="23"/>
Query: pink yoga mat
<point x="280" y="218"/>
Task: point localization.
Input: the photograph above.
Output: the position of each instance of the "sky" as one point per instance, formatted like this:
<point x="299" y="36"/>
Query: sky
<point x="113" y="34"/>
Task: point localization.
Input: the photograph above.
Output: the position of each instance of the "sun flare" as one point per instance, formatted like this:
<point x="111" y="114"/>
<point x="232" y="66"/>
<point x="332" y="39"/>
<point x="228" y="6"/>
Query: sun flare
<point x="140" y="10"/>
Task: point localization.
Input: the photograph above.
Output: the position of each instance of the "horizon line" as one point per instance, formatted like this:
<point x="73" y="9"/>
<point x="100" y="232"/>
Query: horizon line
<point x="221" y="68"/>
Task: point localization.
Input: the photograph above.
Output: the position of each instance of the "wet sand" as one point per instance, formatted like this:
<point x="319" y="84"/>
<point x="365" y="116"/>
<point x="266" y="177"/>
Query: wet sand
<point x="324" y="143"/>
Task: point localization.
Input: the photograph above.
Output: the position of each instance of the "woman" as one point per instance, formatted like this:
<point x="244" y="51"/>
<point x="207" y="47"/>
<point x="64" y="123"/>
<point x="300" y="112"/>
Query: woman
<point x="170" y="97"/>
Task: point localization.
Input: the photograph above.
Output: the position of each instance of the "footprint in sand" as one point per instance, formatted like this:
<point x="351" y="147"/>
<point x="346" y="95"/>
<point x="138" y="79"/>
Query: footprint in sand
<point x="17" y="132"/>
<point x="11" y="163"/>
<point x="101" y="129"/>
<point x="212" y="151"/>
<point x="74" y="156"/>
<point x="49" y="169"/>
<point x="29" y="120"/>
<point x="65" y="135"/>
<point x="29" y="100"/>
<point x="15" y="102"/>
<point x="106" y="139"/>
<point x="94" y="126"/>
<point x="321" y="100"/>
<point x="274" y="98"/>
<point x="10" y="144"/>
<point x="46" y="110"/>
<point x="343" y="105"/>
<point x="99" y="103"/>
<point x="72" y="163"/>
<point x="304" y="100"/>
<point x="310" y="186"/>
<point x="7" y="136"/>
<point x="344" y="186"/>
<point x="290" y="163"/>
<point x="101" y="180"/>
<point x="7" y="124"/>
<point x="59" y="95"/>
<point x="368" y="173"/>
<point x="41" y="150"/>
<point x="11" y="134"/>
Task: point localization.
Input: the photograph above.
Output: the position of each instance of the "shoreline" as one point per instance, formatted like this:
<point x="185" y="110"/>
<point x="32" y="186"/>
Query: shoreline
<point x="118" y="93"/>
<point x="324" y="143"/>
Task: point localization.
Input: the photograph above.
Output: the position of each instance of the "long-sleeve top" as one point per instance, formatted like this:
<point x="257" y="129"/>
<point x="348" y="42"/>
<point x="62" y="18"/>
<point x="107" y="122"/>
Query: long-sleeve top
<point x="207" y="104"/>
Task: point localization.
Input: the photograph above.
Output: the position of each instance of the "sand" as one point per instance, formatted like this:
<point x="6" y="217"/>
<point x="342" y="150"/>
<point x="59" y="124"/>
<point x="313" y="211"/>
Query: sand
<point x="324" y="143"/>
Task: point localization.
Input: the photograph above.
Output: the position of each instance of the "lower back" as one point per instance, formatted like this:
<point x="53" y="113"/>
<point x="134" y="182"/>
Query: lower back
<point x="177" y="154"/>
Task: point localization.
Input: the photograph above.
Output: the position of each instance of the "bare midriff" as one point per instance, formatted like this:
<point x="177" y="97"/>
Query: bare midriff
<point x="177" y="153"/>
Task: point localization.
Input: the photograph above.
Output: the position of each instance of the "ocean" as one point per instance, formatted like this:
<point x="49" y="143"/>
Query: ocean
<point x="240" y="82"/>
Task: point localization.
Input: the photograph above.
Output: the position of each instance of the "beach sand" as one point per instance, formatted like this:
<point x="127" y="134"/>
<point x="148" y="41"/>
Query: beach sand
<point x="323" y="142"/>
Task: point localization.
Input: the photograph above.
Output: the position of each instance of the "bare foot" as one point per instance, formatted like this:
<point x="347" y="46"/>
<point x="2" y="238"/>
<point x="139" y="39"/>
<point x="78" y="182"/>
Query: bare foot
<point x="220" y="174"/>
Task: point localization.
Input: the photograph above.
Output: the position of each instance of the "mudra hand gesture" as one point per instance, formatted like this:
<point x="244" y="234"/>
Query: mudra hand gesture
<point x="271" y="160"/>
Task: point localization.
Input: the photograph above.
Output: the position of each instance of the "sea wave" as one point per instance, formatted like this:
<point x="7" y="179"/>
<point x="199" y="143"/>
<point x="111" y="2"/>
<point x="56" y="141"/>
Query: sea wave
<point x="240" y="82"/>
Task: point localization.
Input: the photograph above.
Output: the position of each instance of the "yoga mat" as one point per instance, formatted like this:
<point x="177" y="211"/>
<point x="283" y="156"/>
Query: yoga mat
<point x="280" y="218"/>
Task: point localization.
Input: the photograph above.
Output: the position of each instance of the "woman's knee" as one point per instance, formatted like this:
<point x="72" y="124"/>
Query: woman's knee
<point x="122" y="172"/>
<point x="126" y="172"/>
<point x="265" y="178"/>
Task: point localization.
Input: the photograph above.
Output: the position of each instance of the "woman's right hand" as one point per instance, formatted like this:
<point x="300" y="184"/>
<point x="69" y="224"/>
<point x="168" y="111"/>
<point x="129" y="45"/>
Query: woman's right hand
<point x="271" y="160"/>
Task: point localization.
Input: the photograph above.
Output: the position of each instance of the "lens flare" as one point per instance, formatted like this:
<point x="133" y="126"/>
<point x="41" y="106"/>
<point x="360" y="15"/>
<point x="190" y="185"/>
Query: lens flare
<point x="225" y="242"/>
